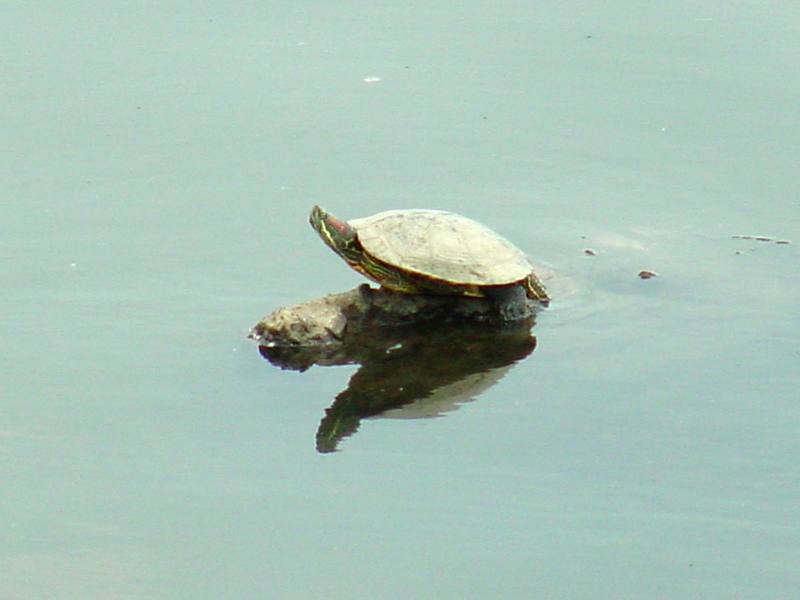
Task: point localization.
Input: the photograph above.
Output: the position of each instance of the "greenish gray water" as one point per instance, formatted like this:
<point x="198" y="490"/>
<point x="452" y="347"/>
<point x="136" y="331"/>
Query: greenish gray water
<point x="160" y="163"/>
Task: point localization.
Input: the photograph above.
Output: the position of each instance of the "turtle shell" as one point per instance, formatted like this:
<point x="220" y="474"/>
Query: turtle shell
<point x="442" y="245"/>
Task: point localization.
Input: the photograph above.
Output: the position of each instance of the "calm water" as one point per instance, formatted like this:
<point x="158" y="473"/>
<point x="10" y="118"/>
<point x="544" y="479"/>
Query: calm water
<point x="159" y="165"/>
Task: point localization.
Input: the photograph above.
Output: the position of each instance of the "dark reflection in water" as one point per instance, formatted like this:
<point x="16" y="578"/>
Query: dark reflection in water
<point x="410" y="372"/>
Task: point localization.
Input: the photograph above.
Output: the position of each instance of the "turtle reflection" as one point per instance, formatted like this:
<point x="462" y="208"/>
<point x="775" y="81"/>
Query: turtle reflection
<point x="410" y="372"/>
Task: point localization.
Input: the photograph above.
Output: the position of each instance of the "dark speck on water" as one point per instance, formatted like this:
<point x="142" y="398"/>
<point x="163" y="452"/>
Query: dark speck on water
<point x="760" y="238"/>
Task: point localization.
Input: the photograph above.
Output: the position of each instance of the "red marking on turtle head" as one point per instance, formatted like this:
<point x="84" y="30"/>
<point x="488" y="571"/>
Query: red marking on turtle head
<point x="340" y="226"/>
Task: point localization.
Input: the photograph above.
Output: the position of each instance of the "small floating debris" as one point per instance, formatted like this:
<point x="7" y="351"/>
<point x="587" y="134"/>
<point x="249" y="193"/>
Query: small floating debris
<point x="589" y="252"/>
<point x="647" y="274"/>
<point x="760" y="238"/>
<point x="371" y="79"/>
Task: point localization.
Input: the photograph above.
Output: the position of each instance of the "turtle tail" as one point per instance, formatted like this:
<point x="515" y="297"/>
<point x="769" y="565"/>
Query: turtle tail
<point x="536" y="290"/>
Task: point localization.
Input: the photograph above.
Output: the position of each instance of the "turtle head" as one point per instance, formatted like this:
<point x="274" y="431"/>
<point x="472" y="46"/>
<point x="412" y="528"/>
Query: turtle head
<point x="337" y="234"/>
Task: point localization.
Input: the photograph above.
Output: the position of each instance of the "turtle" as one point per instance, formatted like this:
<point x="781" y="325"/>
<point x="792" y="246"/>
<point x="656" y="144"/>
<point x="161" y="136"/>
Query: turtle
<point x="421" y="251"/>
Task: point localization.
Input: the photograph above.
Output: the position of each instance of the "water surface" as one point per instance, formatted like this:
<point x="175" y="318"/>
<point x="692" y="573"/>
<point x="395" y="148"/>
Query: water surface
<point x="160" y="164"/>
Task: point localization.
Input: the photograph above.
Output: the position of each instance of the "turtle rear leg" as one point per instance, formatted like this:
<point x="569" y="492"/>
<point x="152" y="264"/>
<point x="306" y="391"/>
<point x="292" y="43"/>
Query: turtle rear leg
<point x="536" y="290"/>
